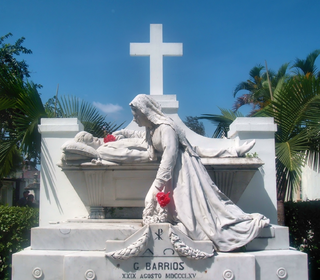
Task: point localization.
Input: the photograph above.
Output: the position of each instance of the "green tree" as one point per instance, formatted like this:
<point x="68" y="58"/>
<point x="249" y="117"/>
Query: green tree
<point x="260" y="87"/>
<point x="21" y="109"/>
<point x="22" y="136"/>
<point x="254" y="87"/>
<point x="8" y="55"/>
<point x="194" y="124"/>
<point x="10" y="70"/>
<point x="295" y="110"/>
<point x="222" y="121"/>
<point x="87" y="114"/>
<point x="307" y="66"/>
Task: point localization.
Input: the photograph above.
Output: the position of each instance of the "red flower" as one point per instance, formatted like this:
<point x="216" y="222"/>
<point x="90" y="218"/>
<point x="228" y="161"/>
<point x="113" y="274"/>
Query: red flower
<point x="163" y="198"/>
<point x="109" y="138"/>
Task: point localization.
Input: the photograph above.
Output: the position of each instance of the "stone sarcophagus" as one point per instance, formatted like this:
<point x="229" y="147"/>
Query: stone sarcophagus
<point x="81" y="189"/>
<point x="126" y="185"/>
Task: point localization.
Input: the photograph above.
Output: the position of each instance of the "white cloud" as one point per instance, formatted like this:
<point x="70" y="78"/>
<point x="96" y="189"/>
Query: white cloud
<point x="108" y="108"/>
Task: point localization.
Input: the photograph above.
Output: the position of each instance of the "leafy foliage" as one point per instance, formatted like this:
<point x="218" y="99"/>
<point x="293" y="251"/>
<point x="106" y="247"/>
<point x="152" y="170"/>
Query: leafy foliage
<point x="21" y="101"/>
<point x="260" y="87"/>
<point x="194" y="124"/>
<point x="222" y="121"/>
<point x="20" y="111"/>
<point x="307" y="66"/>
<point x="302" y="218"/>
<point x="88" y="115"/>
<point x="296" y="112"/>
<point x="293" y="102"/>
<point x="15" y="225"/>
<point x="8" y="53"/>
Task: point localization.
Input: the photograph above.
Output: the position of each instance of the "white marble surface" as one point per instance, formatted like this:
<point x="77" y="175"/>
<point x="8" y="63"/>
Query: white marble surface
<point x="76" y="250"/>
<point x="281" y="264"/>
<point x="272" y="238"/>
<point x="85" y="235"/>
<point x="159" y="243"/>
<point x="156" y="49"/>
<point x="57" y="265"/>
<point x="60" y="201"/>
<point x="81" y="236"/>
<point x="38" y="264"/>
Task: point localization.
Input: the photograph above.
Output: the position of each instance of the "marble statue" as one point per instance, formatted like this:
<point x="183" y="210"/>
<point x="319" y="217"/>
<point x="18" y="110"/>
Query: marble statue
<point x="131" y="146"/>
<point x="196" y="204"/>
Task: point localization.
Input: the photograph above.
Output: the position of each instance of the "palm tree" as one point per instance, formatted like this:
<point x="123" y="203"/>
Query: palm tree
<point x="21" y="109"/>
<point x="307" y="66"/>
<point x="295" y="110"/>
<point x="253" y="85"/>
<point x="222" y="121"/>
<point x="260" y="87"/>
<point x="88" y="115"/>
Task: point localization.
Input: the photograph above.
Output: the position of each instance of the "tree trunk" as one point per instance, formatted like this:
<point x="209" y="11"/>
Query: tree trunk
<point x="281" y="215"/>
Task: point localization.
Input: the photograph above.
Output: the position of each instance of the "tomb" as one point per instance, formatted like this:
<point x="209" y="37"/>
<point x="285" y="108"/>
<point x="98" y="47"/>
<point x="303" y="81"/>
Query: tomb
<point x="75" y="241"/>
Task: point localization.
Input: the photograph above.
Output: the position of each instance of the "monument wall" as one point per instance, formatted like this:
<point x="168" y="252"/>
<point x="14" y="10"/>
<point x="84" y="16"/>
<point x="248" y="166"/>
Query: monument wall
<point x="64" y="195"/>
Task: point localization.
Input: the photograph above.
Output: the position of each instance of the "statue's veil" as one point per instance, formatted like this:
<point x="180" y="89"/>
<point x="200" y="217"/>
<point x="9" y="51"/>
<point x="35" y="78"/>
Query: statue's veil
<point x="152" y="110"/>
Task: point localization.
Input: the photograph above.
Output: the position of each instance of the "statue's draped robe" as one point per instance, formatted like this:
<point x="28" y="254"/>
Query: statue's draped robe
<point x="200" y="209"/>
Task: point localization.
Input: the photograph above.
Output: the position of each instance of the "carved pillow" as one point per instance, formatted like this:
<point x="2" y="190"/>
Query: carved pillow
<point x="80" y="149"/>
<point x="67" y="156"/>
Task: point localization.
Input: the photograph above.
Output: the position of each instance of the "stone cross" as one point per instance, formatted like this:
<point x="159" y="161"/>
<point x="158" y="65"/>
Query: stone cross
<point x="156" y="49"/>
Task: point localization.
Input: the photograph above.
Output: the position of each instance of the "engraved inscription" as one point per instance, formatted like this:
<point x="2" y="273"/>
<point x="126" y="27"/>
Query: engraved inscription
<point x="158" y="234"/>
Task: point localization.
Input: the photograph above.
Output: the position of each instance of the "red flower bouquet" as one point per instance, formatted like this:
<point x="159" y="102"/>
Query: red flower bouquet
<point x="109" y="138"/>
<point x="163" y="198"/>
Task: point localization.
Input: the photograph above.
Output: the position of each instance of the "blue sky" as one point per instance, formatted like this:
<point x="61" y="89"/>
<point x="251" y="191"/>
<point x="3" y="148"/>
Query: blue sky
<point x="83" y="46"/>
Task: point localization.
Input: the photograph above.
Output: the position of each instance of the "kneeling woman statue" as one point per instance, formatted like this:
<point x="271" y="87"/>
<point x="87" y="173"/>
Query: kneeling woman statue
<point x="182" y="192"/>
<point x="200" y="209"/>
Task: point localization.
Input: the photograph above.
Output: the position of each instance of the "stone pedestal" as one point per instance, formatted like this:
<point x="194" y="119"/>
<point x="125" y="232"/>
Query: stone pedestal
<point x="69" y="246"/>
<point x="77" y="250"/>
<point x="64" y="194"/>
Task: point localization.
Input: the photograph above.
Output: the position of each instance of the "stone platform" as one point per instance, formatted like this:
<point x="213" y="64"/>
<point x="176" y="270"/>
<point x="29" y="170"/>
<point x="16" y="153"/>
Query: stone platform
<point x="77" y="250"/>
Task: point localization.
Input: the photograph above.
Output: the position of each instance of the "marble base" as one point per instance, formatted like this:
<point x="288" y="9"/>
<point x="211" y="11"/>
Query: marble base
<point x="111" y="184"/>
<point x="77" y="250"/>
<point x="84" y="235"/>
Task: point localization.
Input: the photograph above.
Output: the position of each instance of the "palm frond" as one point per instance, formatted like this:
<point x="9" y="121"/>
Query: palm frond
<point x="282" y="72"/>
<point x="292" y="152"/>
<point x="244" y="99"/>
<point x="256" y="71"/>
<point x="288" y="181"/>
<point x="9" y="156"/>
<point x="242" y="86"/>
<point x="295" y="109"/>
<point x="222" y="121"/>
<point x="30" y="111"/>
<point x="88" y="115"/>
<point x="6" y="103"/>
<point x="307" y="65"/>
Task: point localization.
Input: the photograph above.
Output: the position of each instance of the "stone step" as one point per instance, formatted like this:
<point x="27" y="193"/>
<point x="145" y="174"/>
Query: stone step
<point x="265" y="265"/>
<point x="91" y="235"/>
<point x="82" y="235"/>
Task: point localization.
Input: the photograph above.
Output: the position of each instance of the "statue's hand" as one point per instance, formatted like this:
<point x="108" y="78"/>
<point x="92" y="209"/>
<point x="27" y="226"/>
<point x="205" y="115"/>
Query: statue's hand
<point x="118" y="137"/>
<point x="152" y="193"/>
<point x="152" y="212"/>
<point x="118" y="134"/>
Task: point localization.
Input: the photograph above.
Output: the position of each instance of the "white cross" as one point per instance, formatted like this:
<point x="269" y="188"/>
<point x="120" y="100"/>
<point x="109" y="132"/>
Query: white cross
<point x="156" y="49"/>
